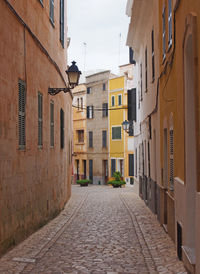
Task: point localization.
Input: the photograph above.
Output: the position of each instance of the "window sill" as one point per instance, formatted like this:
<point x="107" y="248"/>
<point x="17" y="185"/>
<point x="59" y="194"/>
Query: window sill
<point x="80" y="143"/>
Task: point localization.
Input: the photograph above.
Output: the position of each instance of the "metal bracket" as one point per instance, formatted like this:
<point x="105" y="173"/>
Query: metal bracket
<point x="54" y="91"/>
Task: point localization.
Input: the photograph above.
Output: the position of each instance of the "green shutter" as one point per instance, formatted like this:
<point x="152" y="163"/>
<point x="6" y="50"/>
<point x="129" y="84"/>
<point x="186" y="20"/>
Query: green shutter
<point x="21" y="114"/>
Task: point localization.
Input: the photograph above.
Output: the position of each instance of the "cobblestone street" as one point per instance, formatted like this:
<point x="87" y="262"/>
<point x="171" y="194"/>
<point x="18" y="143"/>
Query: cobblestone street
<point x="101" y="230"/>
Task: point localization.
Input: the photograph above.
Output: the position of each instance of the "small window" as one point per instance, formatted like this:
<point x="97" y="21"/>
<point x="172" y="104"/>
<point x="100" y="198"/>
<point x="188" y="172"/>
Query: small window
<point x="169" y="23"/>
<point x="116" y="133"/>
<point x="81" y="103"/>
<point x="119" y="100"/>
<point x="90" y="112"/>
<point x="22" y="114"/>
<point x="104" y="138"/>
<point x="52" y="124"/>
<point x="80" y="135"/>
<point x="62" y="129"/>
<point x="88" y="90"/>
<point x="113" y="101"/>
<point x="90" y="139"/>
<point x="163" y="34"/>
<point x="62" y="29"/>
<point x="78" y="103"/>
<point x="131" y="164"/>
<point x="51" y="11"/>
<point x="40" y="110"/>
<point x="146" y="79"/>
<point x="104" y="86"/>
<point x="105" y="109"/>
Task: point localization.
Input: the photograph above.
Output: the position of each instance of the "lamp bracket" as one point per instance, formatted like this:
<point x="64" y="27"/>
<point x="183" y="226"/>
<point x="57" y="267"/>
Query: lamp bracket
<point x="54" y="91"/>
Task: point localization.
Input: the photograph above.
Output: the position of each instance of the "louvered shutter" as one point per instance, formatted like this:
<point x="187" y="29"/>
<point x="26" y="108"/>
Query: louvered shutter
<point x="92" y="111"/>
<point x="51" y="10"/>
<point x="171" y="163"/>
<point x="90" y="139"/>
<point x="131" y="164"/>
<point x="40" y="102"/>
<point x="21" y="114"/>
<point x="62" y="136"/>
<point x="132" y="104"/>
<point x="62" y="22"/>
<point x="113" y="166"/>
<point x="104" y="138"/>
<point x="51" y="124"/>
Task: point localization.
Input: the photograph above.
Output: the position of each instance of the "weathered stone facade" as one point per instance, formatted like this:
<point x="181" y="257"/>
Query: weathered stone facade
<point x="34" y="180"/>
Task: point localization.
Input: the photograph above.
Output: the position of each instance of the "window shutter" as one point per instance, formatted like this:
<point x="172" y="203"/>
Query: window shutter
<point x="131" y="164"/>
<point x="62" y="22"/>
<point x="146" y="79"/>
<point x="152" y="47"/>
<point x="21" y="114"/>
<point x="51" y="124"/>
<point x="91" y="169"/>
<point x="92" y="111"/>
<point x="40" y="121"/>
<point x="104" y="138"/>
<point x="171" y="163"/>
<point x="169" y="22"/>
<point x="90" y="139"/>
<point x="141" y="91"/>
<point x="51" y="5"/>
<point x="119" y="100"/>
<point x="113" y="166"/>
<point x="132" y="104"/>
<point x="104" y="86"/>
<point x="62" y="135"/>
<point x="88" y="112"/>
<point x="163" y="22"/>
<point x="88" y="90"/>
<point x="116" y="133"/>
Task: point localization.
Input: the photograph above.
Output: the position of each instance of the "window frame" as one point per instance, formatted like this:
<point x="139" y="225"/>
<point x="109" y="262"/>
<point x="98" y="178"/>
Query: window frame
<point x="90" y="112"/>
<point x="80" y="135"/>
<point x="104" y="138"/>
<point x="89" y="90"/>
<point x="90" y="137"/>
<point x="105" y="110"/>
<point x="117" y="139"/>
<point x="113" y="100"/>
<point x="119" y="96"/>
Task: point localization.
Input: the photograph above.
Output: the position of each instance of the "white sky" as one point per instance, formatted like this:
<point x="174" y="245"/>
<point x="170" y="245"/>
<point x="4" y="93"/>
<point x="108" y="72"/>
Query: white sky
<point x="98" y="23"/>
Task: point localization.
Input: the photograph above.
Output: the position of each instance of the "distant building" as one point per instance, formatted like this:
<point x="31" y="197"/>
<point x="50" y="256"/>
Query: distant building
<point x="79" y="133"/>
<point x="35" y="127"/>
<point x="97" y="126"/>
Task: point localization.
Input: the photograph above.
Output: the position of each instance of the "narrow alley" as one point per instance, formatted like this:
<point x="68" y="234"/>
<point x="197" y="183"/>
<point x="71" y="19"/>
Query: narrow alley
<point x="101" y="230"/>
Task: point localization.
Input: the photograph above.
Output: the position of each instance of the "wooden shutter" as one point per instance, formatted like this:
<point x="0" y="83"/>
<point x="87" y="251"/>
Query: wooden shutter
<point x="163" y="35"/>
<point x="40" y="120"/>
<point x="51" y="124"/>
<point x="171" y="159"/>
<point x="91" y="169"/>
<point x="90" y="139"/>
<point x="62" y="132"/>
<point x="169" y="23"/>
<point x="113" y="166"/>
<point x="146" y="72"/>
<point x="104" y="138"/>
<point x="131" y="164"/>
<point x="62" y="22"/>
<point x="51" y="10"/>
<point x="88" y="112"/>
<point x="22" y="114"/>
<point x="132" y="104"/>
<point x="153" y="59"/>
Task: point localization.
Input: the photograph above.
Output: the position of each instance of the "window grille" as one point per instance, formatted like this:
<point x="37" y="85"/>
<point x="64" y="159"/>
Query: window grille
<point x="22" y="114"/>
<point x="171" y="163"/>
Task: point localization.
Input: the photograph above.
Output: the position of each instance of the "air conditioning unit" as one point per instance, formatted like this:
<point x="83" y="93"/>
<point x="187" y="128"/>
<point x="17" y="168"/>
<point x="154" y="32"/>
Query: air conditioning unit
<point x="127" y="179"/>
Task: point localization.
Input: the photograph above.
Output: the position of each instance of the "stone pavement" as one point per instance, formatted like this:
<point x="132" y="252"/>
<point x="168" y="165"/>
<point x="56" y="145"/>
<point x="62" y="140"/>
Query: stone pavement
<point x="101" y="230"/>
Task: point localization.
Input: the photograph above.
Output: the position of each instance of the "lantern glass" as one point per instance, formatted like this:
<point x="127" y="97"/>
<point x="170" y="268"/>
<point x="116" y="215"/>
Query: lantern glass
<point x="73" y="74"/>
<point x="125" y="125"/>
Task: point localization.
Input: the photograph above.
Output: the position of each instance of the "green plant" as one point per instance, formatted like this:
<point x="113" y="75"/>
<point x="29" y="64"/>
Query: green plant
<point x="84" y="182"/>
<point x="117" y="175"/>
<point x="117" y="182"/>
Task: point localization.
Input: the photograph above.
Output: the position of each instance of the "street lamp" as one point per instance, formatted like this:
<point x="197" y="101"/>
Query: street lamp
<point x="73" y="74"/>
<point x="128" y="127"/>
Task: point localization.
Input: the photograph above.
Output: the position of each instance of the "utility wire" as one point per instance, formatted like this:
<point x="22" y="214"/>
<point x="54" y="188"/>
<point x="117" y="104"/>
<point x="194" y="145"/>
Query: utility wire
<point x="100" y="109"/>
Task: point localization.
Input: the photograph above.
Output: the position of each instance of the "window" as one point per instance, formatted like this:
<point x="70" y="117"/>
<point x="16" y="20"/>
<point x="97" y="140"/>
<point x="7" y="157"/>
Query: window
<point x="152" y="54"/>
<point x="149" y="161"/>
<point x="104" y="138"/>
<point x="146" y="80"/>
<point x="88" y="90"/>
<point x="51" y="123"/>
<point x="91" y="170"/>
<point x="113" y="166"/>
<point x="136" y="162"/>
<point x="169" y="23"/>
<point x="90" y="112"/>
<point x="80" y="135"/>
<point x="119" y="100"/>
<point x="141" y="95"/>
<point x="62" y="129"/>
<point x="171" y="163"/>
<point x="105" y="109"/>
<point x="116" y="133"/>
<point x="131" y="164"/>
<point x="104" y="86"/>
<point x="22" y="114"/>
<point x="81" y="103"/>
<point x="163" y="35"/>
<point x="112" y="101"/>
<point x="90" y="139"/>
<point x="40" y="102"/>
<point x="78" y="103"/>
<point x="62" y="29"/>
<point x="51" y="11"/>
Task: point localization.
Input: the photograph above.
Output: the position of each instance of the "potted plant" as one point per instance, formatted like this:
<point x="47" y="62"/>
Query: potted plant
<point x="83" y="182"/>
<point x="117" y="180"/>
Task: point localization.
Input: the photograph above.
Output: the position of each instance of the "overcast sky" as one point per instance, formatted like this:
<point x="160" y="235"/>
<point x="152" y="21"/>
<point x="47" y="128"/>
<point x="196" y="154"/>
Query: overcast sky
<point x="94" y="27"/>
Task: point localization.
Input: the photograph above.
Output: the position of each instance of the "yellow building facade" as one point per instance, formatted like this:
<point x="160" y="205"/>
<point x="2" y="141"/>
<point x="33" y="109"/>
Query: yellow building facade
<point x="119" y="157"/>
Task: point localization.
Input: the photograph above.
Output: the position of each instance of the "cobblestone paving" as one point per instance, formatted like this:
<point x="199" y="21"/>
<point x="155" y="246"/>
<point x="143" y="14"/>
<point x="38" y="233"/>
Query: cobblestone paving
<point x="101" y="230"/>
